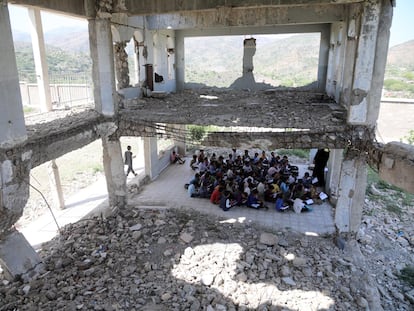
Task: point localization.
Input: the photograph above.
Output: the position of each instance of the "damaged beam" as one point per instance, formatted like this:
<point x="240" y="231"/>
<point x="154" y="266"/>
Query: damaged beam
<point x="134" y="7"/>
<point x="50" y="140"/>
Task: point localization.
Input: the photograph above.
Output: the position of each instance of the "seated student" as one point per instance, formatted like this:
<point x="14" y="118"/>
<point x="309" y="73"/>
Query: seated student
<point x="201" y="156"/>
<point x="307" y="180"/>
<point x="300" y="207"/>
<point x="175" y="158"/>
<point x="194" y="163"/>
<point x="280" y="204"/>
<point x="240" y="198"/>
<point x="192" y="191"/>
<point x="203" y="166"/>
<point x="226" y="202"/>
<point x="253" y="200"/>
<point x="216" y="195"/>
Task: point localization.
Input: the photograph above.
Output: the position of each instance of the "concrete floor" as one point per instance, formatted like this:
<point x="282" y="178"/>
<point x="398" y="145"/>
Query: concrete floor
<point x="168" y="191"/>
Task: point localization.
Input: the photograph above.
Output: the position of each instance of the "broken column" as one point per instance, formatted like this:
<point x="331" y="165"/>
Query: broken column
<point x="103" y="73"/>
<point x="17" y="257"/>
<point x="121" y="65"/>
<point x="361" y="97"/>
<point x="247" y="81"/>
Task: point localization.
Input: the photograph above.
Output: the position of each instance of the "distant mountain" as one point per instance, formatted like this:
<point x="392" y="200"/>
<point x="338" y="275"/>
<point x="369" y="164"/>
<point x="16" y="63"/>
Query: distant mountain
<point x="402" y="55"/>
<point x="279" y="60"/>
<point x="74" y="39"/>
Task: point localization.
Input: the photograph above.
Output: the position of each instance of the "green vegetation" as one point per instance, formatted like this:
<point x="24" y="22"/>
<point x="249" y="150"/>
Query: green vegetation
<point x="398" y="85"/>
<point x="407" y="275"/>
<point x="74" y="65"/>
<point x="399" y="81"/>
<point x="410" y="137"/>
<point x="300" y="153"/>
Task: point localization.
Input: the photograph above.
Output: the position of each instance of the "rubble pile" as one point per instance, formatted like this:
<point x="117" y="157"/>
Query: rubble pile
<point x="174" y="260"/>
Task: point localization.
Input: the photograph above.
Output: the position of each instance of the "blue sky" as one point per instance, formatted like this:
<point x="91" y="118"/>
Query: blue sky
<point x="402" y="29"/>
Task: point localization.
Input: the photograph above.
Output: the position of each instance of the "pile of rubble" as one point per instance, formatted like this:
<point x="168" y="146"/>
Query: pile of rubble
<point x="175" y="260"/>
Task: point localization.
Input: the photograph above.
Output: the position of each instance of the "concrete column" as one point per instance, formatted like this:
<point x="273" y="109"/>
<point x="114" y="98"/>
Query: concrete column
<point x="334" y="174"/>
<point x="323" y="59"/>
<point x="352" y="185"/>
<point x="56" y="185"/>
<point x="380" y="61"/>
<point x="13" y="129"/>
<point x="364" y="65"/>
<point x="179" y="60"/>
<point x="150" y="156"/>
<point x="362" y="38"/>
<point x="39" y="54"/>
<point x="16" y="255"/>
<point x="180" y="143"/>
<point x="114" y="172"/>
<point x="42" y="74"/>
<point x="103" y="74"/>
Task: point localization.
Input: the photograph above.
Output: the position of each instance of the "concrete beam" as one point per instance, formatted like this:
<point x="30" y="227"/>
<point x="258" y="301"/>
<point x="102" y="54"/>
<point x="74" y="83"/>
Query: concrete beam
<point x="252" y="17"/>
<point x="135" y="7"/>
<point x="50" y="140"/>
<point x="75" y="8"/>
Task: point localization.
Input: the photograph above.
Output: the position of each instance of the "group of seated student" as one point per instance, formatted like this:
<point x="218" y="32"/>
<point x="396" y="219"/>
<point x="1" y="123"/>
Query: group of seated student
<point x="254" y="180"/>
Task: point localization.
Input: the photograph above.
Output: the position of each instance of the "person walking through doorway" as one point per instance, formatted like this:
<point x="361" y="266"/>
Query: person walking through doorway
<point x="128" y="161"/>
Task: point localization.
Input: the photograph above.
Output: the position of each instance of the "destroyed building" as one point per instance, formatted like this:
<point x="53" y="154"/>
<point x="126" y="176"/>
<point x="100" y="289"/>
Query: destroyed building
<point x="339" y="112"/>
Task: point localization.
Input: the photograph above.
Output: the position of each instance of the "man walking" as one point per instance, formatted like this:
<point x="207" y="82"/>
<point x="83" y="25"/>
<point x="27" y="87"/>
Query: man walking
<point x="128" y="161"/>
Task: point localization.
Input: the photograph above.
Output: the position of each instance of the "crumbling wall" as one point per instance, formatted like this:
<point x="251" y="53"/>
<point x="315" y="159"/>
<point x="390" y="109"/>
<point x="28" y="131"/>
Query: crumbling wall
<point x="395" y="164"/>
<point x="15" y="174"/>
<point x="121" y="65"/>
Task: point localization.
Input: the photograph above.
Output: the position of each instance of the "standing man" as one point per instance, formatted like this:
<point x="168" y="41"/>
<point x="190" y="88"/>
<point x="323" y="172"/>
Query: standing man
<point x="320" y="160"/>
<point x="128" y="161"/>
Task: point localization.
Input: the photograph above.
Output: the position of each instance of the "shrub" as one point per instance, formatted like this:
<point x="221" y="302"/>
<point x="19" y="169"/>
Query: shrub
<point x="407" y="275"/>
<point x="196" y="132"/>
<point x="300" y="153"/>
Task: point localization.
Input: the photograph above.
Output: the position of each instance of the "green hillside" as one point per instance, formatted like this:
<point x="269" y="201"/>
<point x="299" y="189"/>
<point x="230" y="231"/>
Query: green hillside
<point x="59" y="62"/>
<point x="217" y="61"/>
<point x="399" y="73"/>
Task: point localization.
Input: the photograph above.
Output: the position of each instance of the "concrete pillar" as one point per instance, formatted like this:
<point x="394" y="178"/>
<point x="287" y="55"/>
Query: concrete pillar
<point x="103" y="74"/>
<point x="114" y="172"/>
<point x="42" y="74"/>
<point x="352" y="185"/>
<point x="13" y="129"/>
<point x="39" y="55"/>
<point x="179" y="60"/>
<point x="56" y="185"/>
<point x="380" y="61"/>
<point x="364" y="64"/>
<point x="16" y="255"/>
<point x="179" y="140"/>
<point x="363" y="109"/>
<point x="323" y="59"/>
<point x="334" y="174"/>
<point x="150" y="156"/>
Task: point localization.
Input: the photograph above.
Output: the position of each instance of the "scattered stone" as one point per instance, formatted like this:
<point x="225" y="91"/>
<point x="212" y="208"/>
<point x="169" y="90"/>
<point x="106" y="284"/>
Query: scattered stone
<point x="207" y="278"/>
<point x="288" y="281"/>
<point x="186" y="237"/>
<point x="268" y="239"/>
<point x="135" y="227"/>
